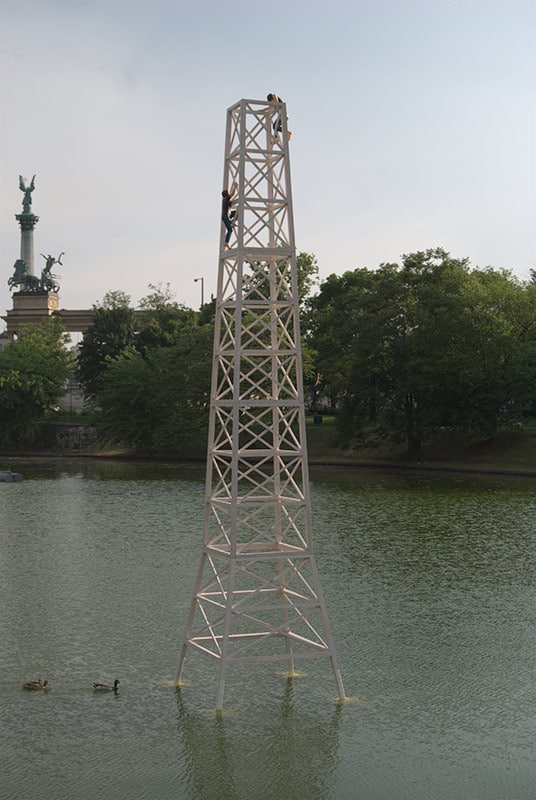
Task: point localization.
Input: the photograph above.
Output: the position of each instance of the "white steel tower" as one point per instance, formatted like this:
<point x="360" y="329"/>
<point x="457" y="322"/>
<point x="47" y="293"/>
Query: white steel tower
<point x="257" y="594"/>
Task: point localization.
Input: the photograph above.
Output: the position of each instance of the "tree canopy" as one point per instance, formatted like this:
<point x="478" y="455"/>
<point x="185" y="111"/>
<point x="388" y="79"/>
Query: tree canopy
<point x="148" y="372"/>
<point x="111" y="333"/>
<point x="431" y="343"/>
<point x="157" y="402"/>
<point x="33" y="371"/>
<point x="402" y="351"/>
<point x="163" y="320"/>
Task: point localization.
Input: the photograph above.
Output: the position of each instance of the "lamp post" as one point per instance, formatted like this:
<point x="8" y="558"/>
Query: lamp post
<point x="202" y="290"/>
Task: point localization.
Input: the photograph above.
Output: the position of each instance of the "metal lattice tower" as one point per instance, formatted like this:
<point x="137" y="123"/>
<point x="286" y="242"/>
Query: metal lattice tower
<point x="257" y="595"/>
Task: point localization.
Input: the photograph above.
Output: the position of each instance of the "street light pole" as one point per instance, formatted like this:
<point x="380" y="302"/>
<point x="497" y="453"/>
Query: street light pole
<point x="202" y="290"/>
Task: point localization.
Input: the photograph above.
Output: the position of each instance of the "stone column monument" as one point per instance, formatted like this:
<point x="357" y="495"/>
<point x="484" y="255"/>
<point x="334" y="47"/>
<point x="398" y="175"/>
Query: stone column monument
<point x="35" y="296"/>
<point x="27" y="221"/>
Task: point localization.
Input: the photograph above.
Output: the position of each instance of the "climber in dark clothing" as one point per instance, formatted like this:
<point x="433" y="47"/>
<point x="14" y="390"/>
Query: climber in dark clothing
<point x="226" y="217"/>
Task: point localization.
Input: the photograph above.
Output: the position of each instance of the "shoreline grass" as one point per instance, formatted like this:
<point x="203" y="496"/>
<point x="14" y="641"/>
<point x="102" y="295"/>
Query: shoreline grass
<point x="508" y="451"/>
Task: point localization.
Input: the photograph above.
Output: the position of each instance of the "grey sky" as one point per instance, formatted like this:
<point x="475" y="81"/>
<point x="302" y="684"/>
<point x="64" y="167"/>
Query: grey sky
<point x="413" y="126"/>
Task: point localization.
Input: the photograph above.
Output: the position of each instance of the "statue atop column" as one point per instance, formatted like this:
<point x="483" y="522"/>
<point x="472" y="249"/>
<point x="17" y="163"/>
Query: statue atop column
<point x="27" y="189"/>
<point x="27" y="221"/>
<point x="24" y="279"/>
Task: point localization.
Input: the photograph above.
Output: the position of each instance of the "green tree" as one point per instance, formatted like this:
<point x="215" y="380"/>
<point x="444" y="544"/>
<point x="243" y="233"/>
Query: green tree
<point x="409" y="349"/>
<point x="331" y="326"/>
<point x="33" y="372"/>
<point x="499" y="379"/>
<point x="307" y="274"/>
<point x="158" y="402"/>
<point x="112" y="332"/>
<point x="163" y="320"/>
<point x="207" y="312"/>
<point x="307" y="271"/>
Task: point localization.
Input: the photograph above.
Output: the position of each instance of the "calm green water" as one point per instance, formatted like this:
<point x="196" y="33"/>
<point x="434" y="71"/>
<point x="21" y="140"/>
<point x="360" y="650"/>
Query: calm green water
<point x="430" y="586"/>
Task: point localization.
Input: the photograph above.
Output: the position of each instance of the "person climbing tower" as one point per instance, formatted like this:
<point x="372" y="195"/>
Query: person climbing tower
<point x="278" y="125"/>
<point x="227" y="217"/>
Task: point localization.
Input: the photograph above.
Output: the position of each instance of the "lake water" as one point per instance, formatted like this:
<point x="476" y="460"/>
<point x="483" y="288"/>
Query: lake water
<point x="429" y="581"/>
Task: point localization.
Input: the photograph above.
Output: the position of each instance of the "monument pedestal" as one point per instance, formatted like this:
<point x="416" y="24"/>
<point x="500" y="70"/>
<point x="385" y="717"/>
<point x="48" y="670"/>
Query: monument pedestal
<point x="30" y="307"/>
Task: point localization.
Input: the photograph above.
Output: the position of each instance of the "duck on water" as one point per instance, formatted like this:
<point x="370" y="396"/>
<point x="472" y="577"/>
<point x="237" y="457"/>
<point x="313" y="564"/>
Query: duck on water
<point x="107" y="687"/>
<point x="36" y="685"/>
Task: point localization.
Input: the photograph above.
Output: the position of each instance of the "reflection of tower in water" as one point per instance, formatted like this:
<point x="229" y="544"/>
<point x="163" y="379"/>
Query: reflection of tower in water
<point x="257" y="596"/>
<point x="282" y="753"/>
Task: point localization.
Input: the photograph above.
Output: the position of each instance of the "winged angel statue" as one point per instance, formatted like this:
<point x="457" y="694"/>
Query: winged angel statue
<point x="27" y="189"/>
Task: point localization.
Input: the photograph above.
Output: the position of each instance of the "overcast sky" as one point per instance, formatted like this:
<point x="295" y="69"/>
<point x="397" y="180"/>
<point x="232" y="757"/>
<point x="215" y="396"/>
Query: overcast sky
<point x="414" y="126"/>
